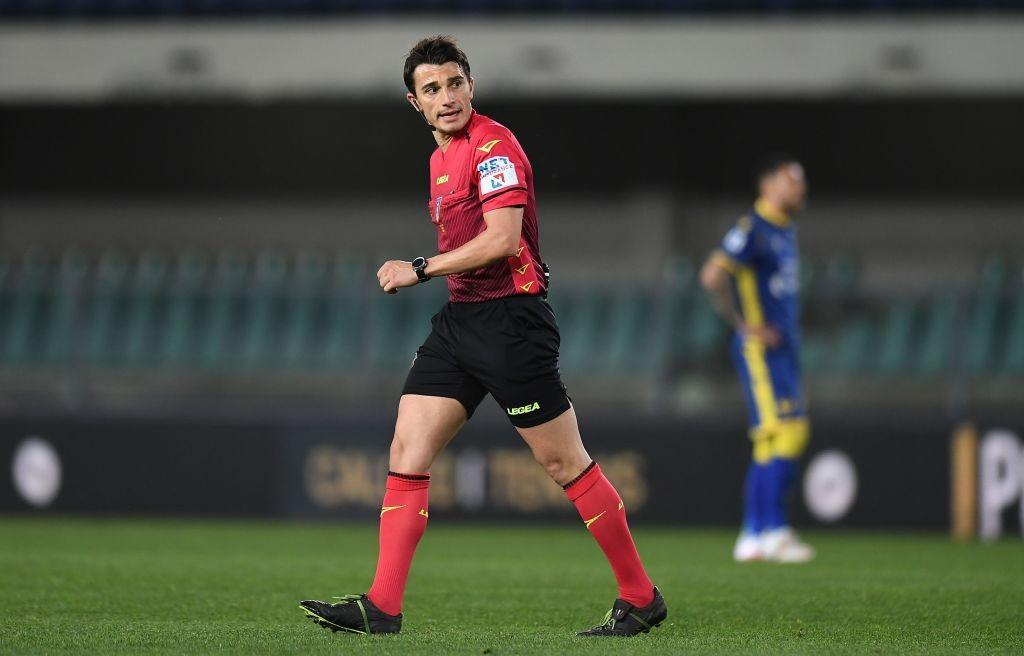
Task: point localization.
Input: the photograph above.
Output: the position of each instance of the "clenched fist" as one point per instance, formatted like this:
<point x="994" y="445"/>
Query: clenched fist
<point x="395" y="274"/>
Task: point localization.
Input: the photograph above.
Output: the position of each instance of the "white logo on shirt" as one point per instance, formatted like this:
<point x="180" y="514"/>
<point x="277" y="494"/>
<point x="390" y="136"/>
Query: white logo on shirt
<point x="785" y="281"/>
<point x="496" y="173"/>
<point x="735" y="240"/>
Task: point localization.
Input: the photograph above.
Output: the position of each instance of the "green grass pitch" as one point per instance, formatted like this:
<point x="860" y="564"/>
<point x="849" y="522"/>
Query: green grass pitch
<point x="148" y="586"/>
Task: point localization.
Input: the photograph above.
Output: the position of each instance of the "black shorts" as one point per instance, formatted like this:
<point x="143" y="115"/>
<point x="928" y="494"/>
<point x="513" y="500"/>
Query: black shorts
<point x="508" y="347"/>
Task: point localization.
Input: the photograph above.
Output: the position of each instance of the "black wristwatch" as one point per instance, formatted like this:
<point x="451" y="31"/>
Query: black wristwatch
<point x="419" y="265"/>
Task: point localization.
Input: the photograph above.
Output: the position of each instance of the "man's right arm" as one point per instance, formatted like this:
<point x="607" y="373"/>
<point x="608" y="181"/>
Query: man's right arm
<point x="715" y="279"/>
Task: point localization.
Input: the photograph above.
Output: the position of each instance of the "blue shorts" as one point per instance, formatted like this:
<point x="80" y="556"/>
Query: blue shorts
<point x="771" y="381"/>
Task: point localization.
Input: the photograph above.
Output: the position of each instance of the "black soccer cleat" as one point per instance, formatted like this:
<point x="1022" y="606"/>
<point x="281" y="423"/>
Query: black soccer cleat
<point x="625" y="619"/>
<point x="353" y="613"/>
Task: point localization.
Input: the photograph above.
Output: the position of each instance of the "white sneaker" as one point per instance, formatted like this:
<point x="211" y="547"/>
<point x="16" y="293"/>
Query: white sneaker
<point x="782" y="545"/>
<point x="747" y="549"/>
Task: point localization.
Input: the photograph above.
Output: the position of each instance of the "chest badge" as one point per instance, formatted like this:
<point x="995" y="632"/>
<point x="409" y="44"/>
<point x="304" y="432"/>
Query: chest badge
<point x="442" y="179"/>
<point x="437" y="213"/>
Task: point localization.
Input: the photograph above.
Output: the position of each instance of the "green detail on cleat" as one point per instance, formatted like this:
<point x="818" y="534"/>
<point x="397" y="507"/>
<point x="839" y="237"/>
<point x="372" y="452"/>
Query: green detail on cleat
<point x="641" y="620"/>
<point x="337" y="627"/>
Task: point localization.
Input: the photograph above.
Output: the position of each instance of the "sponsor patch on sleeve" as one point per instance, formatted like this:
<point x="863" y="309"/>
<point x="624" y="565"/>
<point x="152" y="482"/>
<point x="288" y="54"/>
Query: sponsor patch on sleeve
<point x="496" y="173"/>
<point x="735" y="240"/>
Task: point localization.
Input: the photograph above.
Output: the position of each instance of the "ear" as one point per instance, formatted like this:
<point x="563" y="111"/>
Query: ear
<point x="412" y="101"/>
<point x="472" y="82"/>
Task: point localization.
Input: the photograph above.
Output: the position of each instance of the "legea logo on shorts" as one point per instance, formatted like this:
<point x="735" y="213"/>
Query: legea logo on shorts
<point x="522" y="410"/>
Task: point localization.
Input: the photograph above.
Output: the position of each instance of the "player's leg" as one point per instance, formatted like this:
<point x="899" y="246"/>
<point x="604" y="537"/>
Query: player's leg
<point x="558" y="447"/>
<point x="748" y="360"/>
<point x="515" y="356"/>
<point x="437" y="400"/>
<point x="787" y="446"/>
<point x="424" y="427"/>
<point x="789" y="437"/>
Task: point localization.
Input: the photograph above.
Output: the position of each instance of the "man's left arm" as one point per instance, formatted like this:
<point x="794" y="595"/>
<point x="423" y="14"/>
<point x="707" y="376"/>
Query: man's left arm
<point x="498" y="241"/>
<point x="502" y="187"/>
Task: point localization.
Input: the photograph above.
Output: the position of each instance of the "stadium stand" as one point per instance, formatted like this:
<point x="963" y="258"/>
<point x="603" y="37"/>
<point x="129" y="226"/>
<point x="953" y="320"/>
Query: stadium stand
<point x="232" y="311"/>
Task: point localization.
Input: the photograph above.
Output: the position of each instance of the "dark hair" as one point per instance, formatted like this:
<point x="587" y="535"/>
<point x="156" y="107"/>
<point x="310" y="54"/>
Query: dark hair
<point x="435" y="50"/>
<point x="770" y="163"/>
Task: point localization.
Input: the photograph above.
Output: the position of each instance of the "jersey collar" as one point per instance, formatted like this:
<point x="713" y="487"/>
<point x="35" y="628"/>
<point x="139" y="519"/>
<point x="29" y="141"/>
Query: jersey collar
<point x="768" y="212"/>
<point x="464" y="134"/>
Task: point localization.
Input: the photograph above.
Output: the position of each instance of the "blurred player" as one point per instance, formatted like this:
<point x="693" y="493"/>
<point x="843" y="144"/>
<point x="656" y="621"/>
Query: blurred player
<point x="758" y="264"/>
<point x="497" y="335"/>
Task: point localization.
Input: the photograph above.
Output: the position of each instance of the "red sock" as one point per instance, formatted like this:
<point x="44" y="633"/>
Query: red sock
<point x="403" y="518"/>
<point x="602" y="510"/>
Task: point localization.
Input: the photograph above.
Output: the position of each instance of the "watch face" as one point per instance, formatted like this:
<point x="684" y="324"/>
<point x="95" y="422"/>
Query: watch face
<point x="419" y="262"/>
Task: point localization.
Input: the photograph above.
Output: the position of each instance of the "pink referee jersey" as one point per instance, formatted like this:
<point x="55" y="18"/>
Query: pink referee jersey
<point x="484" y="169"/>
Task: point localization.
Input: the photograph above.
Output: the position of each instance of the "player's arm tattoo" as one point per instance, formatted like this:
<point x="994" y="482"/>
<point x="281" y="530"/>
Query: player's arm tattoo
<point x="714" y="278"/>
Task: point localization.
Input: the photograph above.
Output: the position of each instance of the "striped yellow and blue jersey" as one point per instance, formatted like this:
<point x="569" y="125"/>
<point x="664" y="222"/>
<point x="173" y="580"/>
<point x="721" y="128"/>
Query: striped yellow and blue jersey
<point x="761" y="253"/>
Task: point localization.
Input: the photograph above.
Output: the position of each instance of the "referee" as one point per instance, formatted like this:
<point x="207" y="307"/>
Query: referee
<point x="497" y="334"/>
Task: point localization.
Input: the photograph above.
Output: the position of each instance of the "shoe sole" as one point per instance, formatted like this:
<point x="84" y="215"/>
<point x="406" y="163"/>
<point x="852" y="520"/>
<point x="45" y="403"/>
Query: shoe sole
<point x="750" y="559"/>
<point x="327" y="624"/>
<point x="791" y="561"/>
<point x="622" y="635"/>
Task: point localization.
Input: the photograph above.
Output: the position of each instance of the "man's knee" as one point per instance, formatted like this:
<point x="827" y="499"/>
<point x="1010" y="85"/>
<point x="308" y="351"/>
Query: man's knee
<point x="412" y="450"/>
<point x="553" y="464"/>
<point x="562" y="467"/>
<point x="397" y="448"/>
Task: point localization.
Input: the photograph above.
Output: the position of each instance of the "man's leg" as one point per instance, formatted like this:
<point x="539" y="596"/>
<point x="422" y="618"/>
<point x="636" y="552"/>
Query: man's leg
<point x="557" y="446"/>
<point x="779" y="541"/>
<point x="788" y="445"/>
<point x="425" y="426"/>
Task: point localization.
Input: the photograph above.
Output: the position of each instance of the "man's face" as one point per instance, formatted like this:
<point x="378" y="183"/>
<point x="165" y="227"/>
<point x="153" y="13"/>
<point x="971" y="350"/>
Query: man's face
<point x="788" y="187"/>
<point x="445" y="95"/>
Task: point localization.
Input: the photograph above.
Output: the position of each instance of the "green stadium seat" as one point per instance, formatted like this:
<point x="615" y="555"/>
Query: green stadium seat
<point x="693" y="331"/>
<point x="581" y="313"/>
<point x="188" y="278"/>
<point x="262" y="309"/>
<point x="842" y="274"/>
<point x="676" y="334"/>
<point x="983" y="326"/>
<point x="815" y="352"/>
<point x="629" y="333"/>
<point x="142" y="316"/>
<point x="853" y="346"/>
<point x="60" y="321"/>
<point x="426" y="301"/>
<point x="27" y="286"/>
<point x="680" y="272"/>
<point x="1013" y="359"/>
<point x="707" y="330"/>
<point x="305" y="290"/>
<point x="896" y="338"/>
<point x="808" y="276"/>
<point x="6" y="300"/>
<point x="221" y="323"/>
<point x="667" y="312"/>
<point x="937" y="339"/>
<point x="104" y="305"/>
<point x="345" y="309"/>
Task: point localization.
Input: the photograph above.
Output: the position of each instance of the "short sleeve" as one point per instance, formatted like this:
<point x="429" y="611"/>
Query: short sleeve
<point x="500" y="171"/>
<point x="739" y="244"/>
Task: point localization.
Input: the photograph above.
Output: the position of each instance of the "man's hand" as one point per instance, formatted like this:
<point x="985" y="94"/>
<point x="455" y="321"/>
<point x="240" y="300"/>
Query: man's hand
<point x="766" y="334"/>
<point x="396" y="274"/>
